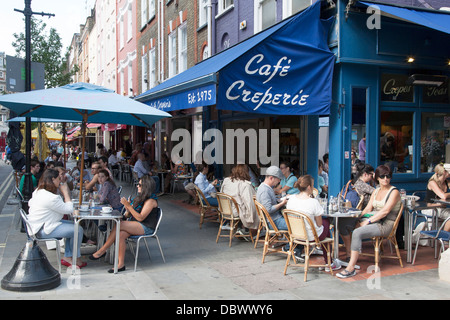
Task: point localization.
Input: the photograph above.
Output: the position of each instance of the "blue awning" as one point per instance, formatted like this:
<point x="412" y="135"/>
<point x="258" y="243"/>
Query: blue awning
<point x="438" y="20"/>
<point x="285" y="69"/>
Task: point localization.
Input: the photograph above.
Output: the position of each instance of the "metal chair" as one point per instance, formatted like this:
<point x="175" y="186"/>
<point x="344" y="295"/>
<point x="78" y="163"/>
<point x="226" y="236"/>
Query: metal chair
<point x="298" y="235"/>
<point x="205" y="208"/>
<point x="38" y="239"/>
<point x="19" y="194"/>
<point x="273" y="236"/>
<point x="226" y="205"/>
<point x="137" y="240"/>
<point x="435" y="235"/>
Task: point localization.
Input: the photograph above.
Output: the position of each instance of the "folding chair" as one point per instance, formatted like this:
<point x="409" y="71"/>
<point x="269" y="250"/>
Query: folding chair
<point x="38" y="239"/>
<point x="435" y="235"/>
<point x="297" y="222"/>
<point x="137" y="239"/>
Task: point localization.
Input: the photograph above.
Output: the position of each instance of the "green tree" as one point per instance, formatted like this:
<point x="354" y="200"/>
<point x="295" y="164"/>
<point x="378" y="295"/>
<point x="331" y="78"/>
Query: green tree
<point x="46" y="48"/>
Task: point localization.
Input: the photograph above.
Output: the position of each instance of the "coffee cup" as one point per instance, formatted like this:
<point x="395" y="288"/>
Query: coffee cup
<point x="106" y="209"/>
<point x="84" y="207"/>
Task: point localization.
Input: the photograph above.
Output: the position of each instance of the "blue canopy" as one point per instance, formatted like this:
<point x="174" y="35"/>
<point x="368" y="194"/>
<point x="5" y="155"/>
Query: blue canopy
<point x="438" y="20"/>
<point x="71" y="102"/>
<point x="295" y="49"/>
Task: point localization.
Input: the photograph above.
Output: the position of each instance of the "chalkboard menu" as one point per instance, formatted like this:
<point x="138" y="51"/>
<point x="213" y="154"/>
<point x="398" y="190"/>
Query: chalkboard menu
<point x="436" y="94"/>
<point x="394" y="88"/>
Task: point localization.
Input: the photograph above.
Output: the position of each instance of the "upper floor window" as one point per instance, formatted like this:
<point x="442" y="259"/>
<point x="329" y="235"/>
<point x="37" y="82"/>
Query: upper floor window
<point x="223" y="5"/>
<point x="291" y="7"/>
<point x="172" y="54"/>
<point x="265" y="14"/>
<point x="203" y="12"/>
<point x="182" y="48"/>
<point x="144" y="17"/>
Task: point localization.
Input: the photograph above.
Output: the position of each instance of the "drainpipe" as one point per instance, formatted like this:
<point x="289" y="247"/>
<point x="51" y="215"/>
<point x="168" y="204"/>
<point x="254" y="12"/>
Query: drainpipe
<point x="209" y="18"/>
<point x="161" y="40"/>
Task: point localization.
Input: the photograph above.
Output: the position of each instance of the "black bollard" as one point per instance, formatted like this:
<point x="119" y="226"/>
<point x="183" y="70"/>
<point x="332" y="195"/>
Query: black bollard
<point x="31" y="272"/>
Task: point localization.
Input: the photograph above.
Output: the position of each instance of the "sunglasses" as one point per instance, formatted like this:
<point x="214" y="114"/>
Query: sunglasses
<point x="385" y="176"/>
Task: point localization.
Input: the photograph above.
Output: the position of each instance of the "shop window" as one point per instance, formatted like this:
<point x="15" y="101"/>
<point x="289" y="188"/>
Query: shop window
<point x="435" y="140"/>
<point x="396" y="146"/>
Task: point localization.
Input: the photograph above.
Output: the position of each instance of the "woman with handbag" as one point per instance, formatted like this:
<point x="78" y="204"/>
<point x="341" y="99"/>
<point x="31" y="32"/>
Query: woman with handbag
<point x="382" y="210"/>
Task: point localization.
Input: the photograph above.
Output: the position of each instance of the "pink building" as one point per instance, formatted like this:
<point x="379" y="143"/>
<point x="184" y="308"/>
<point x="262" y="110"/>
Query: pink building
<point x="127" y="74"/>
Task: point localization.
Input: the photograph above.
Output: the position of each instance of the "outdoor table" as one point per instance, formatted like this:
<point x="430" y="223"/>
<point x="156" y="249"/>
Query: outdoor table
<point x="161" y="175"/>
<point x="337" y="215"/>
<point x="96" y="213"/>
<point x="409" y="211"/>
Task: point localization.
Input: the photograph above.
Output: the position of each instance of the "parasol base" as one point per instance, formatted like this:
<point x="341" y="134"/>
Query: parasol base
<point x="31" y="271"/>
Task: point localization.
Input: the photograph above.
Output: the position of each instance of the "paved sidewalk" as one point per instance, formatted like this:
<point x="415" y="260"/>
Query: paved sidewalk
<point x="198" y="268"/>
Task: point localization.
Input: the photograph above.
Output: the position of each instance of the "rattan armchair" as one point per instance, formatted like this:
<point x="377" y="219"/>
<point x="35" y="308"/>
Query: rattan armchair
<point x="273" y="236"/>
<point x="206" y="210"/>
<point x="298" y="235"/>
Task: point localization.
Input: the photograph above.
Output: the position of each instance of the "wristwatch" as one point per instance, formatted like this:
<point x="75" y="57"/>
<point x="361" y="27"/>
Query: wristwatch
<point x="370" y="222"/>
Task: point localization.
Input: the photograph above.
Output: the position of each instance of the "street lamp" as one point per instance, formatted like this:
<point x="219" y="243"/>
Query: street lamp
<point x="31" y="271"/>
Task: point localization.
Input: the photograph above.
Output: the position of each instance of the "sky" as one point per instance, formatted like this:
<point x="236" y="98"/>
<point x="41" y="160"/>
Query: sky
<point x="69" y="14"/>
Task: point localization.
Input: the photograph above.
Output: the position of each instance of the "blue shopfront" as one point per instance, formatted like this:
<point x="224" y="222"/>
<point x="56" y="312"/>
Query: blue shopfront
<point x="272" y="80"/>
<point x="390" y="84"/>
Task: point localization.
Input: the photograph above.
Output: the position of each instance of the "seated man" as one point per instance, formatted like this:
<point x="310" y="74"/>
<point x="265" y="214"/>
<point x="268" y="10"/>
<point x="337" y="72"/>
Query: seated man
<point x="93" y="184"/>
<point x="140" y="167"/>
<point x="266" y="196"/>
<point x="34" y="169"/>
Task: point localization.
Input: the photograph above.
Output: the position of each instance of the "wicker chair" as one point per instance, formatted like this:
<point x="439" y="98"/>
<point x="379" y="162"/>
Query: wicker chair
<point x="206" y="210"/>
<point x="273" y="235"/>
<point x="378" y="243"/>
<point x="226" y="204"/>
<point x="297" y="222"/>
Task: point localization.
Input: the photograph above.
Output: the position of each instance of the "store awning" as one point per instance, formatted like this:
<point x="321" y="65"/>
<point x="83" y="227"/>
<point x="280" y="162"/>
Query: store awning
<point x="438" y="20"/>
<point x="285" y="69"/>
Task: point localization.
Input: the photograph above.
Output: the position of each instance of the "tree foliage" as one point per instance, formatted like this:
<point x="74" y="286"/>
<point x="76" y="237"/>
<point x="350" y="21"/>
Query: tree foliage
<point x="46" y="48"/>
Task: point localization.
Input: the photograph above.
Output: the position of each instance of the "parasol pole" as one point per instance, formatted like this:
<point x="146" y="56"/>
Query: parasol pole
<point x="83" y="146"/>
<point x="63" y="142"/>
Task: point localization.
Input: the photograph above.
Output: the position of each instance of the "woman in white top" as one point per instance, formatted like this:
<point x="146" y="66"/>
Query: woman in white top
<point x="46" y="211"/>
<point x="307" y="204"/>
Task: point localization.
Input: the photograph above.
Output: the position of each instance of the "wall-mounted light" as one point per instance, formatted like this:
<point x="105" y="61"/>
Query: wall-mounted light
<point x="410" y="60"/>
<point x="426" y="80"/>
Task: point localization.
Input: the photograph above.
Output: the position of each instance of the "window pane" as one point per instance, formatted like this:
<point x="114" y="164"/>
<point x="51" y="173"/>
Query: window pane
<point x="396" y="140"/>
<point x="298" y="5"/>
<point x="269" y="13"/>
<point x="435" y="147"/>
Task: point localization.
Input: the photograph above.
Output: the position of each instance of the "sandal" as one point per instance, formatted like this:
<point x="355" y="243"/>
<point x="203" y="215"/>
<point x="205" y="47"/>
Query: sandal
<point x="346" y="274"/>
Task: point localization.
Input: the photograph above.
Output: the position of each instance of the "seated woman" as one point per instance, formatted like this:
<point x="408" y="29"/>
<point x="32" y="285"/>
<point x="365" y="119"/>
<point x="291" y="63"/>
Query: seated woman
<point x="307" y="204"/>
<point x="142" y="213"/>
<point x="437" y="188"/>
<point x="287" y="184"/>
<point x="238" y="186"/>
<point x="363" y="179"/>
<point x="47" y="209"/>
<point x="362" y="186"/>
<point x="108" y="193"/>
<point x="203" y="184"/>
<point x="385" y="204"/>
